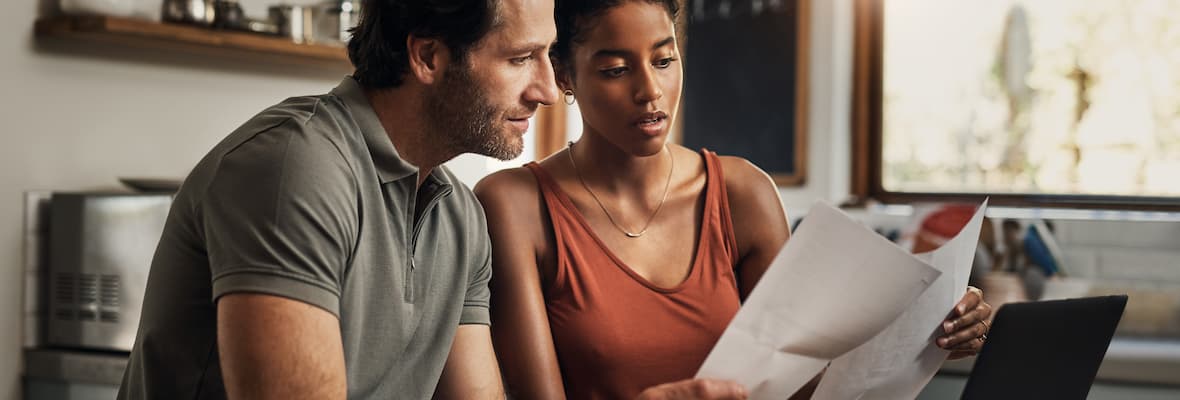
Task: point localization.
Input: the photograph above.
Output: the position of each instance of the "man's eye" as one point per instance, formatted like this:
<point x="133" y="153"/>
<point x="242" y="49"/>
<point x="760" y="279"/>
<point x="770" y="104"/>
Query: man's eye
<point x="613" y="72"/>
<point x="521" y="60"/>
<point x="665" y="63"/>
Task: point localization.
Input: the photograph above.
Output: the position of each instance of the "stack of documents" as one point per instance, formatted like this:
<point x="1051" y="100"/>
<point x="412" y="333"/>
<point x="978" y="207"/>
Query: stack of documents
<point x="839" y="293"/>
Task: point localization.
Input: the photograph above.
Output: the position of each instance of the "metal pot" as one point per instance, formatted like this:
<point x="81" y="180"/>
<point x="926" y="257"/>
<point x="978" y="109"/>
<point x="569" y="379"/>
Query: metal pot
<point x="333" y="19"/>
<point x="228" y="15"/>
<point x="324" y="23"/>
<point x="294" y="22"/>
<point x="198" y="12"/>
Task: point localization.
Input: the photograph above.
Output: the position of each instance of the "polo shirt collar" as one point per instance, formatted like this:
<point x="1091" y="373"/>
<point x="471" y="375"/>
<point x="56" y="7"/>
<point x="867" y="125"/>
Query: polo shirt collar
<point x="390" y="166"/>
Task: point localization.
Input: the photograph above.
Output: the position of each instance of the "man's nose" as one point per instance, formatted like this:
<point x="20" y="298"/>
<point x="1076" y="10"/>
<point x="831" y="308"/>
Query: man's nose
<point x="543" y="88"/>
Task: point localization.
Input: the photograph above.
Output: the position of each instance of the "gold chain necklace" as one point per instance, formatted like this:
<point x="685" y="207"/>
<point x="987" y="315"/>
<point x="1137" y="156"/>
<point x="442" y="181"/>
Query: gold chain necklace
<point x="671" y="167"/>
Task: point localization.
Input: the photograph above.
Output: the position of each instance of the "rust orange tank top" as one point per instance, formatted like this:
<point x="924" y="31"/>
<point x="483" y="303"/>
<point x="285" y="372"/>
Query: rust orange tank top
<point x="616" y="333"/>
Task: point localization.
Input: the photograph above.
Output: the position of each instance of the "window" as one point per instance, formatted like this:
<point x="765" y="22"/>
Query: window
<point x="1035" y="102"/>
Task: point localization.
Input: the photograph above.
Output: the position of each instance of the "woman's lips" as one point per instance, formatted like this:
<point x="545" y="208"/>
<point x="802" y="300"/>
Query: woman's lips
<point x="653" y="123"/>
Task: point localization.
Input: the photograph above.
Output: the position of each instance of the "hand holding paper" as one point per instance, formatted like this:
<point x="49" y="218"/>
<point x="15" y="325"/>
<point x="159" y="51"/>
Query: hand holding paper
<point x="834" y="286"/>
<point x="900" y="361"/>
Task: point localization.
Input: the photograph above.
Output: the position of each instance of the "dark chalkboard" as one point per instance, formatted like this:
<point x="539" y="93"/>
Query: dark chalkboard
<point x="745" y="82"/>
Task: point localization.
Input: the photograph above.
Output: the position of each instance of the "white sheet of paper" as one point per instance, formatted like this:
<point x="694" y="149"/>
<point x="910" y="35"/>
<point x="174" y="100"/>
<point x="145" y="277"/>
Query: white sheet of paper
<point x="900" y="361"/>
<point x="832" y="287"/>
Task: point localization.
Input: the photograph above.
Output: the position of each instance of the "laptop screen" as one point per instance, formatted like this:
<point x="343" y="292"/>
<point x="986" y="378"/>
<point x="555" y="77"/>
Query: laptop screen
<point x="1045" y="349"/>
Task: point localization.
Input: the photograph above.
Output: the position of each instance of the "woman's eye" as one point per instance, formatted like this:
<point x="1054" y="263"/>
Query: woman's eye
<point x="614" y="72"/>
<point x="521" y="60"/>
<point x="665" y="62"/>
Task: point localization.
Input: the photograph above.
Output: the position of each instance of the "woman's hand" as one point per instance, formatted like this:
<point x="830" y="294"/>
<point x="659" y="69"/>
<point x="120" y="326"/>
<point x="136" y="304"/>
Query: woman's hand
<point x="965" y="330"/>
<point x="695" y="389"/>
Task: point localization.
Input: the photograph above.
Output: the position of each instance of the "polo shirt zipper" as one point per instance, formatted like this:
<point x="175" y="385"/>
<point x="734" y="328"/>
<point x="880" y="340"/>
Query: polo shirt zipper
<point x="409" y="283"/>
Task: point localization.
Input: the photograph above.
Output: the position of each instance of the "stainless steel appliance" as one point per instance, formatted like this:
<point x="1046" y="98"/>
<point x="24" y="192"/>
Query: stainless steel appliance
<point x="100" y="250"/>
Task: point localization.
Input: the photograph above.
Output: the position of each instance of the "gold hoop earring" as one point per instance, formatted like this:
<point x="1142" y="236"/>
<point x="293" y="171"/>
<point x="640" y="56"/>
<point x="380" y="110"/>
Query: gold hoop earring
<point x="569" y="96"/>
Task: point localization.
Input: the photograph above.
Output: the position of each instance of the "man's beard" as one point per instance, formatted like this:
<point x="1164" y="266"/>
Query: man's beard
<point x="461" y="114"/>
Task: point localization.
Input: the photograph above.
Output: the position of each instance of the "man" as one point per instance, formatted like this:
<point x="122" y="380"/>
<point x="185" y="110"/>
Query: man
<point x="321" y="251"/>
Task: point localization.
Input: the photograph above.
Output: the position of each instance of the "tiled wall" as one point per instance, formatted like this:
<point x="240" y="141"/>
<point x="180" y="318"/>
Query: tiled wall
<point x="1144" y="252"/>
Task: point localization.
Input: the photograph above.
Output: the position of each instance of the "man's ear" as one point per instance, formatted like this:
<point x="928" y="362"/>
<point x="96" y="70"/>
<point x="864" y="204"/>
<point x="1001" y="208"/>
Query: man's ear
<point x="428" y="58"/>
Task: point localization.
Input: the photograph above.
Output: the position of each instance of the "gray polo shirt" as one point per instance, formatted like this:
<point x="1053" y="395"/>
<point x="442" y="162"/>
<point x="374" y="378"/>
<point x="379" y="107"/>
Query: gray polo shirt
<point x="309" y="200"/>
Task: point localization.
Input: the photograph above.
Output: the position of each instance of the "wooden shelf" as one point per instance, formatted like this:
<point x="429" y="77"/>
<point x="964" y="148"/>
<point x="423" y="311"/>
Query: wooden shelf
<point x="191" y="39"/>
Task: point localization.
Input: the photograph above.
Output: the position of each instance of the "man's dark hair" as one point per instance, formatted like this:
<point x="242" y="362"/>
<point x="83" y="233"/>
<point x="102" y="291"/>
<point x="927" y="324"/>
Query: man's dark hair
<point x="378" y="45"/>
<point x="574" y="16"/>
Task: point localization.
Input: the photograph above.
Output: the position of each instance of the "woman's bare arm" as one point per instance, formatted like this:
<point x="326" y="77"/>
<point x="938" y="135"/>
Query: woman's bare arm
<point x="520" y="325"/>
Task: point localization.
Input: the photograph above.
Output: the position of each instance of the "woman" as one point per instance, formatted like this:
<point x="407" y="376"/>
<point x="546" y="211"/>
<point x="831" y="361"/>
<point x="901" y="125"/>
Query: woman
<point x="619" y="261"/>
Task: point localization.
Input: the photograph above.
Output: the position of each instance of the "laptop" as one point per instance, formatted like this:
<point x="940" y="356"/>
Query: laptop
<point x="1045" y="349"/>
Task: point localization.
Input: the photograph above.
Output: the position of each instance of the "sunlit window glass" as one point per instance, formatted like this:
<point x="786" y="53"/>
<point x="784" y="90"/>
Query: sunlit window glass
<point x="1036" y="96"/>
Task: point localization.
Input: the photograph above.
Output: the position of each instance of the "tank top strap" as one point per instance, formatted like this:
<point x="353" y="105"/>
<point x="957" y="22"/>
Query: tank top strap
<point x="545" y="182"/>
<point x="717" y="198"/>
<point x="557" y="205"/>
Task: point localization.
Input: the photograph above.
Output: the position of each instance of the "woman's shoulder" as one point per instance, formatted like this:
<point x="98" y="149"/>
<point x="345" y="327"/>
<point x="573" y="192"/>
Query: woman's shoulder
<point x="506" y="185"/>
<point x="750" y="190"/>
<point x="513" y="205"/>
<point x="744" y="179"/>
<point x="759" y="220"/>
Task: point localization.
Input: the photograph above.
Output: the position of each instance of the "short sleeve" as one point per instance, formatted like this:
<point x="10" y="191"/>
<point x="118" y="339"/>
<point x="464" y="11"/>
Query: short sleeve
<point x="476" y="310"/>
<point x="280" y="217"/>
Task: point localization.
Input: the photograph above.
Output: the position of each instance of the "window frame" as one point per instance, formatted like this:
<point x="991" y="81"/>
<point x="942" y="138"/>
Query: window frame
<point x="867" y="163"/>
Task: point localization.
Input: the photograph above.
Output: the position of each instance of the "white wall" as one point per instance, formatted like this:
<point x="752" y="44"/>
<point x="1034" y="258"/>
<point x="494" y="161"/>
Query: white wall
<point x="77" y="116"/>
<point x="829" y="107"/>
